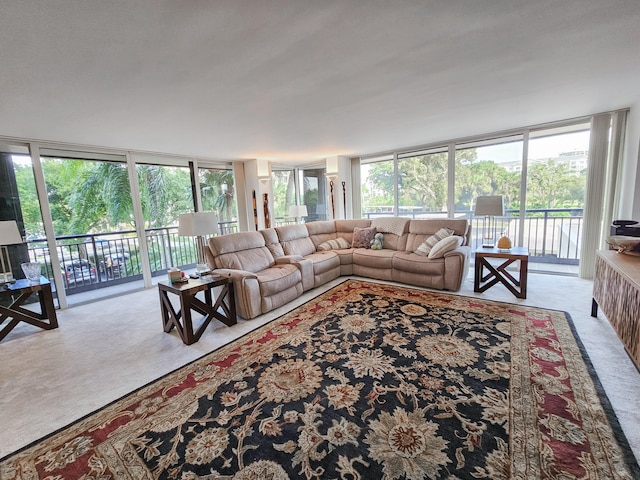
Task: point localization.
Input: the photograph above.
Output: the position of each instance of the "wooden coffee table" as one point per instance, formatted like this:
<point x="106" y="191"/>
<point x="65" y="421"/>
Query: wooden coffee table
<point x="499" y="274"/>
<point x="15" y="313"/>
<point x="182" y="320"/>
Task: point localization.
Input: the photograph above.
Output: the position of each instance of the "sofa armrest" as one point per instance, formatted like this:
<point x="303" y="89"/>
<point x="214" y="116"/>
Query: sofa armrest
<point x="287" y="259"/>
<point x="246" y="289"/>
<point x="456" y="267"/>
<point x="234" y="274"/>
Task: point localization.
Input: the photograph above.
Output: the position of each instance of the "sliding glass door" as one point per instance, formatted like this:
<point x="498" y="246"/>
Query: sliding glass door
<point x="92" y="213"/>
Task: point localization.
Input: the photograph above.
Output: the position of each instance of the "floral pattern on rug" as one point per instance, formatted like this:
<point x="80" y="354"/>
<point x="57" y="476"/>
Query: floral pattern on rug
<point x="365" y="381"/>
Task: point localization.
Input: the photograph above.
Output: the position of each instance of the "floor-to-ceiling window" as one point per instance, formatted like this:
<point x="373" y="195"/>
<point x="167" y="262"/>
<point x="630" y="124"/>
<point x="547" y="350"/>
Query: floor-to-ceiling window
<point x="284" y="189"/>
<point x="543" y="189"/>
<point x="557" y="166"/>
<point x="165" y="193"/>
<point x="19" y="202"/>
<point x="92" y="217"/>
<point x="315" y="194"/>
<point x="422" y="183"/>
<point x="492" y="167"/>
<point x="218" y="193"/>
<point x="377" y="188"/>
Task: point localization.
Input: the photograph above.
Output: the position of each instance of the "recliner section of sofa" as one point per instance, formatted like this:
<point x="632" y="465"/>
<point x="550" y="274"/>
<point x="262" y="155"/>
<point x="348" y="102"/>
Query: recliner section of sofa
<point x="261" y="283"/>
<point x="274" y="266"/>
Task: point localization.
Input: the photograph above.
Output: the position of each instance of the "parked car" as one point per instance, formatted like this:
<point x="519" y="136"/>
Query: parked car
<point x="78" y="272"/>
<point x="113" y="265"/>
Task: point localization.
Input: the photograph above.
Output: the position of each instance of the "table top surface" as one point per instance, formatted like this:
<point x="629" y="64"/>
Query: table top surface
<point x="502" y="252"/>
<point x="24" y="283"/>
<point x="195" y="283"/>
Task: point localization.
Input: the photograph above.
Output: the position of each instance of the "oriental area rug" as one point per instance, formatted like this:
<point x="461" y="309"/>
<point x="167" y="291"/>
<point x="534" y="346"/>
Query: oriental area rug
<point x="366" y="381"/>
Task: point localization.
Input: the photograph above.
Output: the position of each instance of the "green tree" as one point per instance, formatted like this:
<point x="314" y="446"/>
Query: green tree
<point x="217" y="189"/>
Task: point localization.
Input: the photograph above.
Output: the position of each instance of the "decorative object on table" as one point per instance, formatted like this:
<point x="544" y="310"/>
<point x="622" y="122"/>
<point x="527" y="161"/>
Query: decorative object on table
<point x="504" y="243"/>
<point x="408" y="384"/>
<point x="629" y="228"/>
<point x="199" y="224"/>
<point x="332" y="176"/>
<point x="174" y="275"/>
<point x="9" y="235"/>
<point x="489" y="206"/>
<point x="624" y="244"/>
<point x="32" y="272"/>
<point x="265" y="206"/>
<point x="377" y="241"/>
<point x="255" y="210"/>
<point x="298" y="212"/>
<point x="344" y="197"/>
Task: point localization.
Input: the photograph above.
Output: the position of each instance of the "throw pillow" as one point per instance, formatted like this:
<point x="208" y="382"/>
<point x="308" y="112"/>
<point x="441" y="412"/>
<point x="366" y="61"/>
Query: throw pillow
<point x="362" y="236"/>
<point x="429" y="243"/>
<point x="337" y="244"/>
<point x="447" y="244"/>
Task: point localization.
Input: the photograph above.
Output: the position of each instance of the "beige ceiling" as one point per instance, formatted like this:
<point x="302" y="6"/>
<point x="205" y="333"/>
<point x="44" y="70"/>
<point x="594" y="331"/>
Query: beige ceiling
<point x="303" y="79"/>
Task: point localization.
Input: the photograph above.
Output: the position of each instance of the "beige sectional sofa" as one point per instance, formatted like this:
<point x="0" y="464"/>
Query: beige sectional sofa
<point x="274" y="266"/>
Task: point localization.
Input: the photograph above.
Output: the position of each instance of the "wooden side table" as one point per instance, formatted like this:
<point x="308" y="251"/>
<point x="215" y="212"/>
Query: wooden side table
<point x="499" y="274"/>
<point x="19" y="292"/>
<point x="181" y="320"/>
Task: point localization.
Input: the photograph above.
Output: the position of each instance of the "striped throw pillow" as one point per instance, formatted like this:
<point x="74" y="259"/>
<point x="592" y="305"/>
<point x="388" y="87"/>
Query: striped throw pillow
<point x="428" y="244"/>
<point x="336" y="244"/>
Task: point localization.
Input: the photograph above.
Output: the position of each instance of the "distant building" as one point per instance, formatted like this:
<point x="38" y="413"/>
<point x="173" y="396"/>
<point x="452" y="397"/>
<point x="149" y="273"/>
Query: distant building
<point x="575" y="160"/>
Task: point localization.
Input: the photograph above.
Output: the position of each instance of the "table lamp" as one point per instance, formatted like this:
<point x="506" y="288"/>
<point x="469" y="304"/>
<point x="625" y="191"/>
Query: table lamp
<point x="9" y="235"/>
<point x="298" y="212"/>
<point x="489" y="206"/>
<point x="198" y="224"/>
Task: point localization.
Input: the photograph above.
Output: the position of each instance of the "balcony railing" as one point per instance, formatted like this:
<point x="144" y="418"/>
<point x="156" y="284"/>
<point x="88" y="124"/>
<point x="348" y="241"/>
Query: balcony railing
<point x="550" y="235"/>
<point x="93" y="261"/>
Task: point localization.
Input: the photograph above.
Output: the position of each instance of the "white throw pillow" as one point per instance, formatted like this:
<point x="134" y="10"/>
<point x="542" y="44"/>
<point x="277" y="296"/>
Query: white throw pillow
<point x="445" y="245"/>
<point x="430" y="242"/>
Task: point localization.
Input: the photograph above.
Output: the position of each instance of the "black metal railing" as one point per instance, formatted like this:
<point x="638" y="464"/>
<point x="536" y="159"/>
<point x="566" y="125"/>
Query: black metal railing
<point x="93" y="261"/>
<point x="100" y="260"/>
<point x="550" y="235"/>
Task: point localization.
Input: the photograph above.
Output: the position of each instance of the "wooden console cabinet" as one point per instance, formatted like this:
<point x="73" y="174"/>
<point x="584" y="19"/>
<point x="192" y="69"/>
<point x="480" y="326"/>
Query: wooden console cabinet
<point x="616" y="290"/>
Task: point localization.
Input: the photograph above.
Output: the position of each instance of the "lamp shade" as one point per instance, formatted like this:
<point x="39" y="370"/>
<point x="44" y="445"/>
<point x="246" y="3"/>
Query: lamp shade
<point x="9" y="233"/>
<point x="489" y="205"/>
<point x="332" y="166"/>
<point x="197" y="224"/>
<point x="298" y="211"/>
<point x="263" y="168"/>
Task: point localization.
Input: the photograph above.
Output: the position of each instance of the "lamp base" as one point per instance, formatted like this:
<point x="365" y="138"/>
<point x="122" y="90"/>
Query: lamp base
<point x="488" y="243"/>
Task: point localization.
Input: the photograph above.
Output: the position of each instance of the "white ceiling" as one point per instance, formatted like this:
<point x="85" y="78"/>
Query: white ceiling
<point x="298" y="80"/>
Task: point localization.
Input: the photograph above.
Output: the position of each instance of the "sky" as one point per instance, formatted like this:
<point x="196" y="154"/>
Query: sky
<point x="544" y="147"/>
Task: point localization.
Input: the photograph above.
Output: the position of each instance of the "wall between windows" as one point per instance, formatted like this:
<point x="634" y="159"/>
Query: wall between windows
<point x="630" y="188"/>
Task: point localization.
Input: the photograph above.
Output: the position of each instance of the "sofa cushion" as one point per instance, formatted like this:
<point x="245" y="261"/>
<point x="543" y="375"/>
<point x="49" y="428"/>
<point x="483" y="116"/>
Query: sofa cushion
<point x="362" y="237"/>
<point x="272" y="243"/>
<point x="373" y="258"/>
<point x="295" y="240"/>
<point x="337" y="244"/>
<point x="278" y="278"/>
<point x="447" y="244"/>
<point x="422" y="228"/>
<point x="321" y="231"/>
<point x="430" y="242"/>
<point x="324" y="261"/>
<point x="241" y="251"/>
<point x="410" y="262"/>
